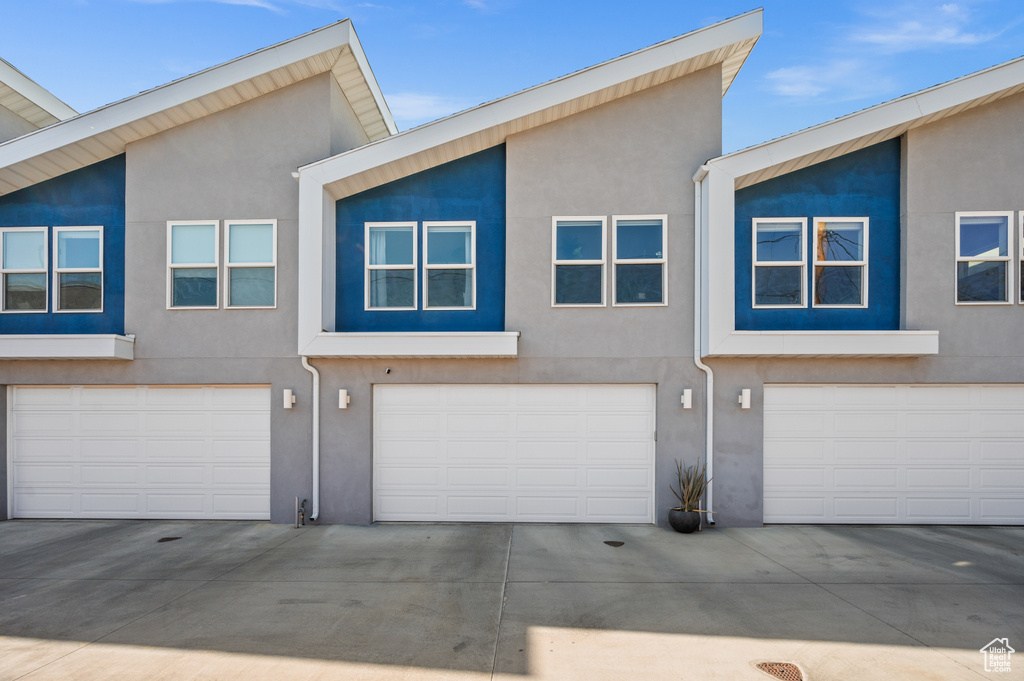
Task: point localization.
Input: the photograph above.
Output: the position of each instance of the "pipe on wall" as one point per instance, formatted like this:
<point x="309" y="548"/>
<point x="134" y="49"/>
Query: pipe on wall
<point x="315" y="513"/>
<point x="709" y="376"/>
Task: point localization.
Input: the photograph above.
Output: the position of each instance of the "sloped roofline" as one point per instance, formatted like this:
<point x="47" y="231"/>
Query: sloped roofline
<point x="728" y="43"/>
<point x="104" y="132"/>
<point x="872" y="125"/>
<point x="29" y="100"/>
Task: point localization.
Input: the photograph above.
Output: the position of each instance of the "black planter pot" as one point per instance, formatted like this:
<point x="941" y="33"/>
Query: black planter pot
<point x="683" y="521"/>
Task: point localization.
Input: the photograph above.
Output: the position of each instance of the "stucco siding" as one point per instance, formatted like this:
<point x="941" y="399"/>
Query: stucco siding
<point x="634" y="156"/>
<point x="970" y="162"/>
<point x="236" y="164"/>
<point x="12" y="125"/>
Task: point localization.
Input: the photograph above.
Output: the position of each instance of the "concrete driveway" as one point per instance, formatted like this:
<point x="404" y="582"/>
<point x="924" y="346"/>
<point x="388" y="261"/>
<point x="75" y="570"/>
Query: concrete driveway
<point x="252" y="601"/>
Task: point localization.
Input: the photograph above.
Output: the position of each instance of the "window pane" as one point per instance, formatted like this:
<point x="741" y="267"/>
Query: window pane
<point x="840" y="241"/>
<point x="578" y="241"/>
<point x="193" y="244"/>
<point x="578" y="284"/>
<point x="981" y="281"/>
<point x="25" y="291"/>
<point x="780" y="242"/>
<point x="81" y="291"/>
<point x="251" y="286"/>
<point x="636" y="239"/>
<point x="391" y="245"/>
<point x="78" y="250"/>
<point x="194" y="287"/>
<point x="984" y="235"/>
<point x="449" y="245"/>
<point x="638" y="283"/>
<point x="450" y="288"/>
<point x="392" y="288"/>
<point x="837" y="285"/>
<point x="778" y="286"/>
<point x="24" y="250"/>
<point x="251" y="243"/>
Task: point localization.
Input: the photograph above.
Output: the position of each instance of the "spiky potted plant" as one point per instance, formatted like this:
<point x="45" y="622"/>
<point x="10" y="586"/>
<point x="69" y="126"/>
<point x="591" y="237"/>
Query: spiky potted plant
<point x="692" y="483"/>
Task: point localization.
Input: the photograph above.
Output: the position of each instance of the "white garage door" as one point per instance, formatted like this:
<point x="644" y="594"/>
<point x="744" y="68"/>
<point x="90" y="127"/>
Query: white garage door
<point x="894" y="454"/>
<point x="140" y="452"/>
<point x="525" y="453"/>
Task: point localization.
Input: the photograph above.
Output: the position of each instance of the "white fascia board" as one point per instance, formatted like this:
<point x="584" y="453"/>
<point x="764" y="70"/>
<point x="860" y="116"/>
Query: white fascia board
<point x="316" y="211"/>
<point x="466" y="344"/>
<point x="33" y="92"/>
<point x="720" y="235"/>
<point x="174" y="93"/>
<point x="540" y="97"/>
<point x="371" y="80"/>
<point x="67" y="346"/>
<point x="899" y="112"/>
<point x="828" y="344"/>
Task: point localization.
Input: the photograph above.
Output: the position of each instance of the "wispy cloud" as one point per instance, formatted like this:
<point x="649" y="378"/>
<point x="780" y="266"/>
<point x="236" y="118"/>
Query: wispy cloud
<point x="413" y="108"/>
<point x="839" y="79"/>
<point x="279" y="6"/>
<point x="920" y="26"/>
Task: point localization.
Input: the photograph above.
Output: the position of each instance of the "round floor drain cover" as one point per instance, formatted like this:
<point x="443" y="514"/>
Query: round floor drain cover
<point x="161" y="540"/>
<point x="615" y="543"/>
<point x="782" y="670"/>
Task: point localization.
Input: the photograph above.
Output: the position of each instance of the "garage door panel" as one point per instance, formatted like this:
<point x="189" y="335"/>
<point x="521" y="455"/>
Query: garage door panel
<point x="140" y="453"/>
<point x="44" y="423"/>
<point x="955" y="455"/>
<point x="625" y="451"/>
<point x="127" y="475"/>
<point x="546" y="450"/>
<point x="551" y="453"/>
<point x="938" y="450"/>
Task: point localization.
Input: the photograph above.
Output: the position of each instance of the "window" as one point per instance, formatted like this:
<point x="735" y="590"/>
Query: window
<point x="78" y="272"/>
<point x="391" y="266"/>
<point x="983" y="247"/>
<point x="840" y="262"/>
<point x="449" y="270"/>
<point x="578" y="259"/>
<point x="639" y="259"/>
<point x="780" y="257"/>
<point x="251" y="263"/>
<point x="23" y="264"/>
<point x="193" y="258"/>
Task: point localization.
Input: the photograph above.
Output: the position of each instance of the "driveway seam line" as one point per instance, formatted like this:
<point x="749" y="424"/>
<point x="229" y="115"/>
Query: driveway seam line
<point x="769" y="558"/>
<point x="501" y="604"/>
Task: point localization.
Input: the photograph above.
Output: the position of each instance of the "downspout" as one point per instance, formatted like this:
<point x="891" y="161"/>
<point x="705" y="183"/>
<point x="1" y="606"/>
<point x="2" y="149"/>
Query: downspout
<point x="315" y="513"/>
<point x="709" y="376"/>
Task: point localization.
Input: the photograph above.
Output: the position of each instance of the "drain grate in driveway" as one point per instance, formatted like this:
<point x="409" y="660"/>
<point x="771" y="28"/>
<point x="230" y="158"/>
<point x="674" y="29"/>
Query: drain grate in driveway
<point x="781" y="670"/>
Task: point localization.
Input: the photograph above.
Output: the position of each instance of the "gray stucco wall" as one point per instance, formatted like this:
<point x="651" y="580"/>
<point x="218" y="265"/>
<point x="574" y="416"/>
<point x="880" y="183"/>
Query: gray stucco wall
<point x="631" y="156"/>
<point x="971" y="161"/>
<point x="3" y="453"/>
<point x="346" y="133"/>
<point x="12" y="125"/>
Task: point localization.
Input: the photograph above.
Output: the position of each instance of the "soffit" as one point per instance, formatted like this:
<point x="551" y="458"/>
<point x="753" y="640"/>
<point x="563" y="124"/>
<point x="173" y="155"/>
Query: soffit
<point x="487" y="125"/>
<point x="103" y="133"/>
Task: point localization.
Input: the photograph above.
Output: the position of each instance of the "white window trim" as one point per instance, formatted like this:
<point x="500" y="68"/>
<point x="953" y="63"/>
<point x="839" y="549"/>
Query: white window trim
<point x="57" y="270"/>
<point x="228" y="266"/>
<point x="171" y="266"/>
<point x="1008" y="259"/>
<point x="455" y="266"/>
<point x="603" y="262"/>
<point x="44" y="270"/>
<point x="1020" y="257"/>
<point x="367" y="267"/>
<point x="663" y="260"/>
<point x="863" y="264"/>
<point x="802" y="263"/>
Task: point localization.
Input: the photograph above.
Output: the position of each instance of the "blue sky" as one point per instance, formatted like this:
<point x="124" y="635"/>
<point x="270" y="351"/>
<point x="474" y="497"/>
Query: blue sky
<point x="816" y="60"/>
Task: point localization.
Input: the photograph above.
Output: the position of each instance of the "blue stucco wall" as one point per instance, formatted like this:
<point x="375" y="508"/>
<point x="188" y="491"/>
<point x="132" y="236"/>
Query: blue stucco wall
<point x="470" y="188"/>
<point x="862" y="183"/>
<point x="93" y="195"/>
